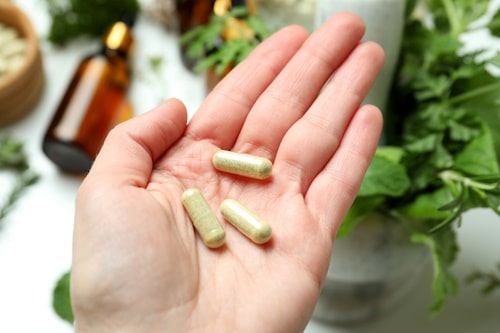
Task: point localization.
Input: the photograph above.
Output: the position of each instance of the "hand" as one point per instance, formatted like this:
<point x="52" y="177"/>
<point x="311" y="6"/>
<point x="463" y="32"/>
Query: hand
<point x="138" y="264"/>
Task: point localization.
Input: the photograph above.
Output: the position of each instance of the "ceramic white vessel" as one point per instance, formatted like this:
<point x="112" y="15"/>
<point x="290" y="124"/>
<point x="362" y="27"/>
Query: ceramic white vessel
<point x="370" y="271"/>
<point x="279" y="13"/>
<point x="384" y="21"/>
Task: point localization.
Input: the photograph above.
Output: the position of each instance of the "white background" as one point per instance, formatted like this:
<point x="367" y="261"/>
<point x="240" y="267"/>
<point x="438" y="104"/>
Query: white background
<point x="35" y="245"/>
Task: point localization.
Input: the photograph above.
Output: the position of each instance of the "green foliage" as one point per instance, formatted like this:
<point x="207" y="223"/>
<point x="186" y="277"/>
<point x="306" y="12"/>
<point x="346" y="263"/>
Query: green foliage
<point x="384" y="177"/>
<point x="444" y="250"/>
<point x="13" y="159"/>
<point x="12" y="155"/>
<point x="206" y="45"/>
<point x="444" y="119"/>
<point x="75" y="18"/>
<point x="61" y="300"/>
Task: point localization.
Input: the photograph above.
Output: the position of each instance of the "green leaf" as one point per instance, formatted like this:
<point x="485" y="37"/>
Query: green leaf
<point x="392" y="153"/>
<point x="426" y="206"/>
<point x="61" y="301"/>
<point x="384" y="177"/>
<point x="12" y="154"/>
<point x="424" y="144"/>
<point x="257" y="24"/>
<point x="441" y="157"/>
<point x="434" y="88"/>
<point x="444" y="248"/>
<point x="494" y="24"/>
<point x="361" y="207"/>
<point x="461" y="132"/>
<point x="479" y="156"/>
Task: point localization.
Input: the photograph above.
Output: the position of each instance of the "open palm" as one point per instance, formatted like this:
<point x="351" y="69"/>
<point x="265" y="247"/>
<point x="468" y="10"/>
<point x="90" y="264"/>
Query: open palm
<point x="138" y="264"/>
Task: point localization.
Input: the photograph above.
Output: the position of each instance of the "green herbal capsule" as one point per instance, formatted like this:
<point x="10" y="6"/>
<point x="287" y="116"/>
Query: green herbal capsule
<point x="203" y="218"/>
<point x="242" y="164"/>
<point x="252" y="226"/>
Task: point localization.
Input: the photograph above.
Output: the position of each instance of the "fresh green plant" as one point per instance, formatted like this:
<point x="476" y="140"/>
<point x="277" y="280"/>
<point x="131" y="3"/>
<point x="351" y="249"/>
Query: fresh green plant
<point x="75" y="18"/>
<point x="440" y="159"/>
<point x="13" y="159"/>
<point x="205" y="43"/>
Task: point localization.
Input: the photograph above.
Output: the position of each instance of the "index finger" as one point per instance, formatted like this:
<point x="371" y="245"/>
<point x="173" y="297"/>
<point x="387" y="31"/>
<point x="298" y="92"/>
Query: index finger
<point x="225" y="109"/>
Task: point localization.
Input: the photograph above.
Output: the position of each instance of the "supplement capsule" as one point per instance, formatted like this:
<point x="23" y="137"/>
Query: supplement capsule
<point x="252" y="226"/>
<point x="203" y="218"/>
<point x="242" y="164"/>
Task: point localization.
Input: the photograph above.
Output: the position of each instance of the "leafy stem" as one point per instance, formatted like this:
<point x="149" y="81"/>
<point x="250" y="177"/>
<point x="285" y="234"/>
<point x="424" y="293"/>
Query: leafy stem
<point x="24" y="180"/>
<point x="469" y="189"/>
<point x="474" y="93"/>
<point x="453" y="176"/>
<point x="453" y="18"/>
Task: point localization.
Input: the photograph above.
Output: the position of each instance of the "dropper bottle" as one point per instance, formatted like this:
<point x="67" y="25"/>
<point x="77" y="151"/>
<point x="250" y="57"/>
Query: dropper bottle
<point x="94" y="102"/>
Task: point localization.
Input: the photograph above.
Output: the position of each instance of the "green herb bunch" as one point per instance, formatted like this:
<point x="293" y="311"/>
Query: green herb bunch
<point x="76" y="18"/>
<point x="206" y="44"/>
<point x="441" y="154"/>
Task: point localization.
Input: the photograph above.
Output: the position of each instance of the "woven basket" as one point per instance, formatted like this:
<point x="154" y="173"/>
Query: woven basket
<point x="21" y="89"/>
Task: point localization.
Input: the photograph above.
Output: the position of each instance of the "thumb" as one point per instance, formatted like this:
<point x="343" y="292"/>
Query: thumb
<point x="131" y="148"/>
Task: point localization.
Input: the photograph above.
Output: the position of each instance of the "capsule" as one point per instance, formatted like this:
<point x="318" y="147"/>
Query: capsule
<point x="252" y="226"/>
<point x="242" y="164"/>
<point x="203" y="218"/>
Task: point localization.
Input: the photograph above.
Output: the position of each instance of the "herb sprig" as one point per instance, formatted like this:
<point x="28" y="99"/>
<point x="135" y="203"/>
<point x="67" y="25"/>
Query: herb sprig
<point x="12" y="158"/>
<point x="210" y="47"/>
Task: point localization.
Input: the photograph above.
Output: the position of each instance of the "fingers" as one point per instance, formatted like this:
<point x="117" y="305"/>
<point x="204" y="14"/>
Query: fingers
<point x="293" y="91"/>
<point x="336" y="186"/>
<point x="313" y="140"/>
<point x="224" y="111"/>
<point x="132" y="147"/>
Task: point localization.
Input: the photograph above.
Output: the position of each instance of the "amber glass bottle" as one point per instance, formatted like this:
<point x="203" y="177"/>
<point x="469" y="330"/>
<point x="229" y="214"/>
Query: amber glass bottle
<point x="94" y="102"/>
<point x="192" y="13"/>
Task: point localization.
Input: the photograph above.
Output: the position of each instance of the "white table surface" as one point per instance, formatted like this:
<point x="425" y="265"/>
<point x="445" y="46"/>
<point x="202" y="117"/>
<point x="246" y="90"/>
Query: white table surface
<point x="35" y="244"/>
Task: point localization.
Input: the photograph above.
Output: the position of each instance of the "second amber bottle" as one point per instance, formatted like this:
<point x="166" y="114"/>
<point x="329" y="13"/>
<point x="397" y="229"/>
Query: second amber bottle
<point x="94" y="102"/>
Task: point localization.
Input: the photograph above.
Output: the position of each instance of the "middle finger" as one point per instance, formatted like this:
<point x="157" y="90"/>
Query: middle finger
<point x="290" y="95"/>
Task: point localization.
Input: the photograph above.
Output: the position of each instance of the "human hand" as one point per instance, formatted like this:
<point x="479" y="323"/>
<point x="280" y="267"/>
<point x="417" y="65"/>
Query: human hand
<point x="138" y="264"/>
